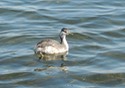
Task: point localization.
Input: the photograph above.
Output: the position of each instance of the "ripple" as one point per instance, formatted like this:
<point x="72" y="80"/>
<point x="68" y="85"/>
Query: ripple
<point x="115" y="33"/>
<point x="106" y="79"/>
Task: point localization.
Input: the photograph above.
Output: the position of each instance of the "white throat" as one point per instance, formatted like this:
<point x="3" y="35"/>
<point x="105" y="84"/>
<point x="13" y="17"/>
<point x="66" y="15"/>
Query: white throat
<point x="64" y="42"/>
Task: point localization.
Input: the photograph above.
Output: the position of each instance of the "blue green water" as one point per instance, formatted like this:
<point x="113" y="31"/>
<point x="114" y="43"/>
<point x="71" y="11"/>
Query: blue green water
<point x="96" y="56"/>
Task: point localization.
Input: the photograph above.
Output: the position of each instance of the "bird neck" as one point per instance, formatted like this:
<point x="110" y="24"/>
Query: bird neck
<point x="64" y="42"/>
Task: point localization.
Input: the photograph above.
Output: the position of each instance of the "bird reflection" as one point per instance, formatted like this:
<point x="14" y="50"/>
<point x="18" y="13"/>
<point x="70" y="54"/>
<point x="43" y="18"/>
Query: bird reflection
<point x="47" y="57"/>
<point x="56" y="57"/>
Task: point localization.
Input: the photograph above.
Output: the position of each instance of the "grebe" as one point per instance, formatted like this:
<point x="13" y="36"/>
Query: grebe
<point x="53" y="47"/>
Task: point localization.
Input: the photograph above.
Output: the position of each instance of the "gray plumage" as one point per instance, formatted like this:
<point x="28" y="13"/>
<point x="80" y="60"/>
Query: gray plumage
<point x="50" y="46"/>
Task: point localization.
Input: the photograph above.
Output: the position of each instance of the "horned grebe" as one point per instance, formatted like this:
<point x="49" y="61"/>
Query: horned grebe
<point x="50" y="46"/>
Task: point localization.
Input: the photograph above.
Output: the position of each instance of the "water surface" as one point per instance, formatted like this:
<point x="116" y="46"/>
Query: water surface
<point x="96" y="57"/>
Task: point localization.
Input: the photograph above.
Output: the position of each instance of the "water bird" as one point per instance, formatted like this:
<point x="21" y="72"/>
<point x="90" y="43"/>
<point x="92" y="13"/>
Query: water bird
<point x="53" y="47"/>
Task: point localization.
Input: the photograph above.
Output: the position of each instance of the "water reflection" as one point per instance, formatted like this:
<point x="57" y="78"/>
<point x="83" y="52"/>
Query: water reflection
<point x="50" y="57"/>
<point x="62" y="67"/>
<point x="50" y="60"/>
<point x="53" y="57"/>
